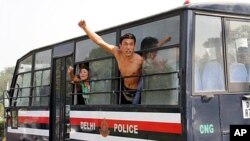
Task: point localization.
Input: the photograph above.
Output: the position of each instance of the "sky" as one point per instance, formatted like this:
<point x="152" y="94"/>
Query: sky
<point x="29" y="24"/>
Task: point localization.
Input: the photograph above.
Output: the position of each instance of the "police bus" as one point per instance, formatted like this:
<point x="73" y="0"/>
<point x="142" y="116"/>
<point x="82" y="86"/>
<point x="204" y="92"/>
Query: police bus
<point x="202" y="89"/>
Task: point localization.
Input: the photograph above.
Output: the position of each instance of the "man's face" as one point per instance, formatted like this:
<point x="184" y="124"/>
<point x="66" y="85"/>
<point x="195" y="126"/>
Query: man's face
<point x="127" y="46"/>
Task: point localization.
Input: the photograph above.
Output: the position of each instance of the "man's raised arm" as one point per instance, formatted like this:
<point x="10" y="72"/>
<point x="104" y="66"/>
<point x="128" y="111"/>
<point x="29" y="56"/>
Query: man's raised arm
<point x="96" y="38"/>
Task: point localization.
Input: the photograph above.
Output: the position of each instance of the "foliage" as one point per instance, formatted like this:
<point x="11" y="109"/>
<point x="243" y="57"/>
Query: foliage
<point x="5" y="77"/>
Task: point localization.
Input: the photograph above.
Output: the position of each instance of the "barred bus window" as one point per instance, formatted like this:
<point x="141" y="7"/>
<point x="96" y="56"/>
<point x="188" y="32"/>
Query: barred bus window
<point x="238" y="54"/>
<point x="41" y="89"/>
<point x="23" y="83"/>
<point x="23" y="93"/>
<point x="160" y="83"/>
<point x="208" y="67"/>
<point x="41" y="80"/>
<point x="101" y="73"/>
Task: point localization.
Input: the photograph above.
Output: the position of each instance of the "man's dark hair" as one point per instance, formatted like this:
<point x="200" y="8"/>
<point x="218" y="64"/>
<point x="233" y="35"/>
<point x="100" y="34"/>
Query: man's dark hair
<point x="128" y="36"/>
<point x="148" y="42"/>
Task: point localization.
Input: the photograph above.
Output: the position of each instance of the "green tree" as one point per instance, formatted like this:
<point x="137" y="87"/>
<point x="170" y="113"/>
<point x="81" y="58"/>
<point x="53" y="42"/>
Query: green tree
<point x="5" y="77"/>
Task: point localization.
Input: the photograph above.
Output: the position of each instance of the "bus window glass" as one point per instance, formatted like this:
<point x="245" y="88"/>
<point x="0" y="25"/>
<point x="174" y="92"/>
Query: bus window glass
<point x="87" y="50"/>
<point x="238" y="54"/>
<point x="41" y="89"/>
<point x="25" y="65"/>
<point x="101" y="73"/>
<point x="160" y="81"/>
<point x="69" y="86"/>
<point x="208" y="66"/>
<point x="23" y="91"/>
<point x="158" y="29"/>
<point x="43" y="59"/>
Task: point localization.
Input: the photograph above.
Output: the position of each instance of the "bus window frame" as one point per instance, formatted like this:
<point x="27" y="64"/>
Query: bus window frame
<point x="239" y="87"/>
<point x="34" y="71"/>
<point x="209" y="92"/>
<point x="228" y="86"/>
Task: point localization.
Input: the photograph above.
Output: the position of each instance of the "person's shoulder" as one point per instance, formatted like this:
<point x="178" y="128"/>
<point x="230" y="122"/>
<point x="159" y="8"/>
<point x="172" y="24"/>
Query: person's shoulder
<point x="117" y="50"/>
<point x="138" y="57"/>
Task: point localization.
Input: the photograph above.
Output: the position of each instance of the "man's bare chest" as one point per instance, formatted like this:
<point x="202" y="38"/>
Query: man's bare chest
<point x="129" y="68"/>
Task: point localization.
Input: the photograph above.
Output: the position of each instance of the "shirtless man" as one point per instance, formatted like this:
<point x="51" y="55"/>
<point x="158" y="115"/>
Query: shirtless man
<point x="129" y="63"/>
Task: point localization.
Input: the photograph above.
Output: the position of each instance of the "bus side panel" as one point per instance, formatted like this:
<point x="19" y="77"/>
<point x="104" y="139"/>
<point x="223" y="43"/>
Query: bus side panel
<point x="31" y="126"/>
<point x="121" y="125"/>
<point x="231" y="113"/>
<point x="206" y="122"/>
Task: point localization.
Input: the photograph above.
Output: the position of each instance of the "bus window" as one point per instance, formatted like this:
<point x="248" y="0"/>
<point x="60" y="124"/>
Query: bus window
<point x="101" y="69"/>
<point x="208" y="66"/>
<point x="237" y="42"/>
<point x="160" y="83"/>
<point x="41" y="81"/>
<point x="158" y="29"/>
<point x="87" y="50"/>
<point x="101" y="82"/>
<point x="100" y="73"/>
<point x="25" y="65"/>
<point x="43" y="59"/>
<point x="23" y="83"/>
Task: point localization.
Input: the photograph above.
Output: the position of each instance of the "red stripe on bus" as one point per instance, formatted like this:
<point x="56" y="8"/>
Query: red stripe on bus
<point x="163" y="127"/>
<point x="30" y="119"/>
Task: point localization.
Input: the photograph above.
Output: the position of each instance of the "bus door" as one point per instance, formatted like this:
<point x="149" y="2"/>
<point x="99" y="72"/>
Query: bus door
<point x="60" y="99"/>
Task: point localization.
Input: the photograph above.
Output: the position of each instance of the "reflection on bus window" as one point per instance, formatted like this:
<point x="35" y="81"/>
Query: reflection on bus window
<point x="208" y="66"/>
<point x="25" y="65"/>
<point x="238" y="51"/>
<point x="164" y="81"/>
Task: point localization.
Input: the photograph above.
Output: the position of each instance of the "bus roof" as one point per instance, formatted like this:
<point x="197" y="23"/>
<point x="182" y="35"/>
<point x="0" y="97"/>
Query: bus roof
<point x="225" y="7"/>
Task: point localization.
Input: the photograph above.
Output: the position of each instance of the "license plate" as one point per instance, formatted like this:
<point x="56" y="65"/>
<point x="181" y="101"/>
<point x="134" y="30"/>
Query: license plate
<point x="246" y="108"/>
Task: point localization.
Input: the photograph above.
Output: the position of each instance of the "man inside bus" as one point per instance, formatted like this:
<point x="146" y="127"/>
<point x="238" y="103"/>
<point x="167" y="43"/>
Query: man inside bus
<point x="151" y="58"/>
<point x="129" y="63"/>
